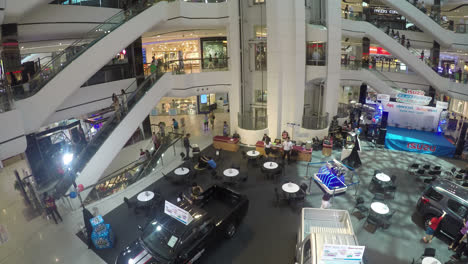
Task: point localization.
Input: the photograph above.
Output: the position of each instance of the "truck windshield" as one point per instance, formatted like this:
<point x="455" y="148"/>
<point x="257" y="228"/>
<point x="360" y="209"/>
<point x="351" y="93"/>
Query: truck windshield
<point x="159" y="240"/>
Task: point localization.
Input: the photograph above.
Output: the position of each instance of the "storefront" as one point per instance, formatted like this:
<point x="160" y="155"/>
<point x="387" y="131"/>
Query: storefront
<point x="192" y="105"/>
<point x="214" y="52"/>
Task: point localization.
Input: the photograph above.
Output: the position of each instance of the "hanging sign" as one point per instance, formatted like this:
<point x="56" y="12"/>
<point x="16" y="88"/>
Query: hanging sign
<point x="443" y="105"/>
<point x="383" y="97"/>
<point x="177" y="213"/>
<point x="345" y="253"/>
<point x="413" y="99"/>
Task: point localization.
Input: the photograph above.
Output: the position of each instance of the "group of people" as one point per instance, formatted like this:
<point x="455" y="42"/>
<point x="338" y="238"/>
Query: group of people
<point x="120" y="106"/>
<point x="459" y="244"/>
<point x="286" y="145"/>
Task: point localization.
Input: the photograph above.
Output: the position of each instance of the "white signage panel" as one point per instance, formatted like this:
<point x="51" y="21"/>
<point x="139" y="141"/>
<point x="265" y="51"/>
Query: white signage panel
<point x="177" y="213"/>
<point x="443" y="105"/>
<point x="383" y="97"/>
<point x="342" y="253"/>
<point x="413" y="99"/>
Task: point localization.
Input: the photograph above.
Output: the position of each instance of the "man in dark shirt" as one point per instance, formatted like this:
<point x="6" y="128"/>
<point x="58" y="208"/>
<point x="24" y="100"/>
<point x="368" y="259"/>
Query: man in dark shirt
<point x="187" y="145"/>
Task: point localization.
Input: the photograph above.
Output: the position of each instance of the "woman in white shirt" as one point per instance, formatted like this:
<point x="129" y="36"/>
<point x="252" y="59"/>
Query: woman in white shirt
<point x="268" y="146"/>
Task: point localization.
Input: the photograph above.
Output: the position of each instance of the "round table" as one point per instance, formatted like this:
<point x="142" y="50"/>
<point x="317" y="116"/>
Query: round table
<point x="145" y="196"/>
<point x="181" y="171"/>
<point x="290" y="187"/>
<point x="270" y="165"/>
<point x="231" y="172"/>
<point x="430" y="260"/>
<point x="380" y="208"/>
<point x="253" y="153"/>
<point x="382" y="177"/>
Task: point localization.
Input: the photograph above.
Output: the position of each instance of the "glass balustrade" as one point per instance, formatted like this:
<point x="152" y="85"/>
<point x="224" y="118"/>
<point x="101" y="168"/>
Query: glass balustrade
<point x="134" y="171"/>
<point x="458" y="76"/>
<point x="314" y="121"/>
<point x="98" y="140"/>
<point x="189" y="66"/>
<point x="358" y="65"/>
<point x="253" y="120"/>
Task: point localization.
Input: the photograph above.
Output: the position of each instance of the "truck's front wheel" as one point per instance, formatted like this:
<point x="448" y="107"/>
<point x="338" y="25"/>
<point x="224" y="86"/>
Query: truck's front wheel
<point x="231" y="230"/>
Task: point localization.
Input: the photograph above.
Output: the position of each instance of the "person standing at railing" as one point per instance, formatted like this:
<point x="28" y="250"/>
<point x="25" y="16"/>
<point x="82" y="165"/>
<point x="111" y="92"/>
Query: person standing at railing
<point x="25" y="78"/>
<point x="153" y="69"/>
<point x="346" y="10"/>
<point x="123" y="99"/>
<point x="215" y="60"/>
<point x="175" y="125"/>
<point x="187" y="146"/>
<point x="408" y="44"/>
<point x="422" y="55"/>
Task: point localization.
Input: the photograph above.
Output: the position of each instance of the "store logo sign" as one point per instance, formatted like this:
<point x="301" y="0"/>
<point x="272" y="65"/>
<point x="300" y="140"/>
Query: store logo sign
<point x="423" y="147"/>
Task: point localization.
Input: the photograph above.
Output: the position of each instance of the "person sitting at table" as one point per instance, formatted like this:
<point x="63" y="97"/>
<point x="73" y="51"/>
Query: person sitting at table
<point x="265" y="137"/>
<point x="268" y="146"/>
<point x="209" y="161"/>
<point x="195" y="193"/>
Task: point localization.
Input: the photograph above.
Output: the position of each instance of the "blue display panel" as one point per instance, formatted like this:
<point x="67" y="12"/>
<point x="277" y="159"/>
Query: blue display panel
<point x="332" y="177"/>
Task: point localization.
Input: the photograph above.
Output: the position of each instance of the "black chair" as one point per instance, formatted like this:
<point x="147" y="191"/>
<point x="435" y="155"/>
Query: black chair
<point x="244" y="154"/>
<point x="276" y="175"/>
<point x="372" y="223"/>
<point x="279" y="198"/>
<point x="462" y="171"/>
<point x="453" y="170"/>
<point x="235" y="166"/>
<point x="465" y="184"/>
<point x="434" y="172"/>
<point x="437" y="168"/>
<point x="393" y="179"/>
<point x="386" y="220"/>
<point x="389" y="191"/>
<point x="379" y="197"/>
<point x="304" y="187"/>
<point x="427" y="166"/>
<point x="182" y="155"/>
<point x="377" y="172"/>
<point x="466" y="177"/>
<point x="459" y="177"/>
<point x="414" y="166"/>
<point x="429" y="252"/>
<point x="362" y="210"/>
<point x="430" y="180"/>
<point x="420" y="172"/>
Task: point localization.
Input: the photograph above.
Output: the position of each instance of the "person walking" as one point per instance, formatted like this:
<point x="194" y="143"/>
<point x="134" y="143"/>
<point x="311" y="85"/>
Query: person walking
<point x="225" y="129"/>
<point x="155" y="140"/>
<point x="116" y="104"/>
<point x="346" y="10"/>
<point x="187" y="145"/>
<point x="459" y="236"/>
<point x="325" y="201"/>
<point x="422" y="55"/>
<point x="123" y="99"/>
<point x="212" y="119"/>
<point x="408" y="44"/>
<point x="460" y="75"/>
<point x="287" y="146"/>
<point x="175" y="125"/>
<point x="162" y="129"/>
<point x="51" y="207"/>
<point x="433" y="224"/>
<point x="403" y="39"/>
<point x="182" y="124"/>
<point x="205" y="122"/>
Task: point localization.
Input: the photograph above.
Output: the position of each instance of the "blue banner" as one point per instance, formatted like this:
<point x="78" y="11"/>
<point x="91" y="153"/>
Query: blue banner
<point x="418" y="141"/>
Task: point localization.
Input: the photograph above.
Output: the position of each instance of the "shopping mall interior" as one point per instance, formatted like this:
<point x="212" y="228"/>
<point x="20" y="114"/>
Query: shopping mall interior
<point x="234" y="131"/>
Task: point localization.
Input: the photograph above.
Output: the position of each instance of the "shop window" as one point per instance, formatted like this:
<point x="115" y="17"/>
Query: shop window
<point x="260" y="32"/>
<point x="260" y="96"/>
<point x="316" y="53"/>
<point x="214" y="52"/>
<point x="261" y="56"/>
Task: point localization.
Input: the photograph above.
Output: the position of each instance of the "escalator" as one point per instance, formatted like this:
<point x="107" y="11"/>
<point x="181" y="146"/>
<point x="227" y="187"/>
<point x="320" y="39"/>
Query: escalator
<point x="94" y="158"/>
<point x="432" y="26"/>
<point x="67" y="71"/>
<point x="360" y="29"/>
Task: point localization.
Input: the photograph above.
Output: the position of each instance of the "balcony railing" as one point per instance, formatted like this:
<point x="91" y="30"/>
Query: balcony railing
<point x="189" y="66"/>
<point x="315" y="121"/>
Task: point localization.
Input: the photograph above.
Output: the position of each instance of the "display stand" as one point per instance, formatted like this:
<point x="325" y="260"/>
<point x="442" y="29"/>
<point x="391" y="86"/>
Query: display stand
<point x="102" y="235"/>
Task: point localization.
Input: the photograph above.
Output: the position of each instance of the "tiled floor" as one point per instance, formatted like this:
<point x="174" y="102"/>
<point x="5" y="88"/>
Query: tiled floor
<point x="41" y="241"/>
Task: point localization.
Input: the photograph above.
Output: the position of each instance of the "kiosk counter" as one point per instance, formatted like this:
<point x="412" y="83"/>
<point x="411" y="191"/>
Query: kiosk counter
<point x="226" y="143"/>
<point x="302" y="153"/>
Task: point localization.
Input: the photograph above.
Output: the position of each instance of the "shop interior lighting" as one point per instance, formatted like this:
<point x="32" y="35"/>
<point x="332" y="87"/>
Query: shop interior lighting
<point x="67" y="158"/>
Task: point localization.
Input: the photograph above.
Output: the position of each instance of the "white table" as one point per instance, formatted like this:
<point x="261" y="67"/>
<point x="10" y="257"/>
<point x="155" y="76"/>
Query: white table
<point x="181" y="171"/>
<point x="380" y="208"/>
<point x="270" y="165"/>
<point x="290" y="187"/>
<point x="145" y="196"/>
<point x="231" y="172"/>
<point x="253" y="153"/>
<point x="382" y="177"/>
<point x="430" y="260"/>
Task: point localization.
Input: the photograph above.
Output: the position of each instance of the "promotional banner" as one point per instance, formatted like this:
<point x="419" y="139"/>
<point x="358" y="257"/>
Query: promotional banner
<point x="412" y="116"/>
<point x="342" y="252"/>
<point x="177" y="213"/>
<point x="416" y="92"/>
<point x="413" y="99"/>
<point x="418" y="141"/>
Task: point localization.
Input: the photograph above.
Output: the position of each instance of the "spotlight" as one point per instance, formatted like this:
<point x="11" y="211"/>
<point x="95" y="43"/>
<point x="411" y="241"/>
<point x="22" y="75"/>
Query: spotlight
<point x="67" y="158"/>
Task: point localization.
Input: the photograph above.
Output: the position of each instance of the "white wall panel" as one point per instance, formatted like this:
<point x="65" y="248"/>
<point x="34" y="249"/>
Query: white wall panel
<point x="12" y="139"/>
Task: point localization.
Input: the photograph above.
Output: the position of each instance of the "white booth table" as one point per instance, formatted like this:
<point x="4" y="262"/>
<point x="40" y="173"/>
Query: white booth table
<point x="380" y="208"/>
<point x="270" y="165"/>
<point x="253" y="153"/>
<point x="382" y="177"/>
<point x="181" y="171"/>
<point x="145" y="196"/>
<point x="290" y="187"/>
<point x="231" y="172"/>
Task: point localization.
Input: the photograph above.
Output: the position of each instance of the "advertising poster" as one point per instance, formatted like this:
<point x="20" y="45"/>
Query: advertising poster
<point x="342" y="252"/>
<point x="414" y="116"/>
<point x="413" y="99"/>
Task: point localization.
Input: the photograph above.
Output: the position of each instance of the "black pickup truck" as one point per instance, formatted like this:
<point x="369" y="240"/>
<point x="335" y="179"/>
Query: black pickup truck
<point x="166" y="240"/>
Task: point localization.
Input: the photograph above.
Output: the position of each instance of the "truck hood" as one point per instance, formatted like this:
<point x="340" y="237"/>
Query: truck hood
<point x="135" y="253"/>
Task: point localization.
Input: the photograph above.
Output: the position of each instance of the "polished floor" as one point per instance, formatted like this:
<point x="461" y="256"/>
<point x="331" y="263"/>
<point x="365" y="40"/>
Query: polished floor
<point x="38" y="240"/>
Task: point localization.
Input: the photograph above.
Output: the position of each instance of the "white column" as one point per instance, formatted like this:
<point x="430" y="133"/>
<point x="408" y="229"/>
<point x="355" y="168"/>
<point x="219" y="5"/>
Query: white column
<point x="233" y="38"/>
<point x="333" y="10"/>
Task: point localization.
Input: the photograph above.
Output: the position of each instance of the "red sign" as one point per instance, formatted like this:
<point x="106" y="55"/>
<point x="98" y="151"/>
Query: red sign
<point x="417" y="92"/>
<point x="420" y="146"/>
<point x="378" y="50"/>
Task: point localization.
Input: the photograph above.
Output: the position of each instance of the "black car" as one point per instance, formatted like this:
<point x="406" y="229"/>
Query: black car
<point x="444" y="195"/>
<point x="166" y="240"/>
